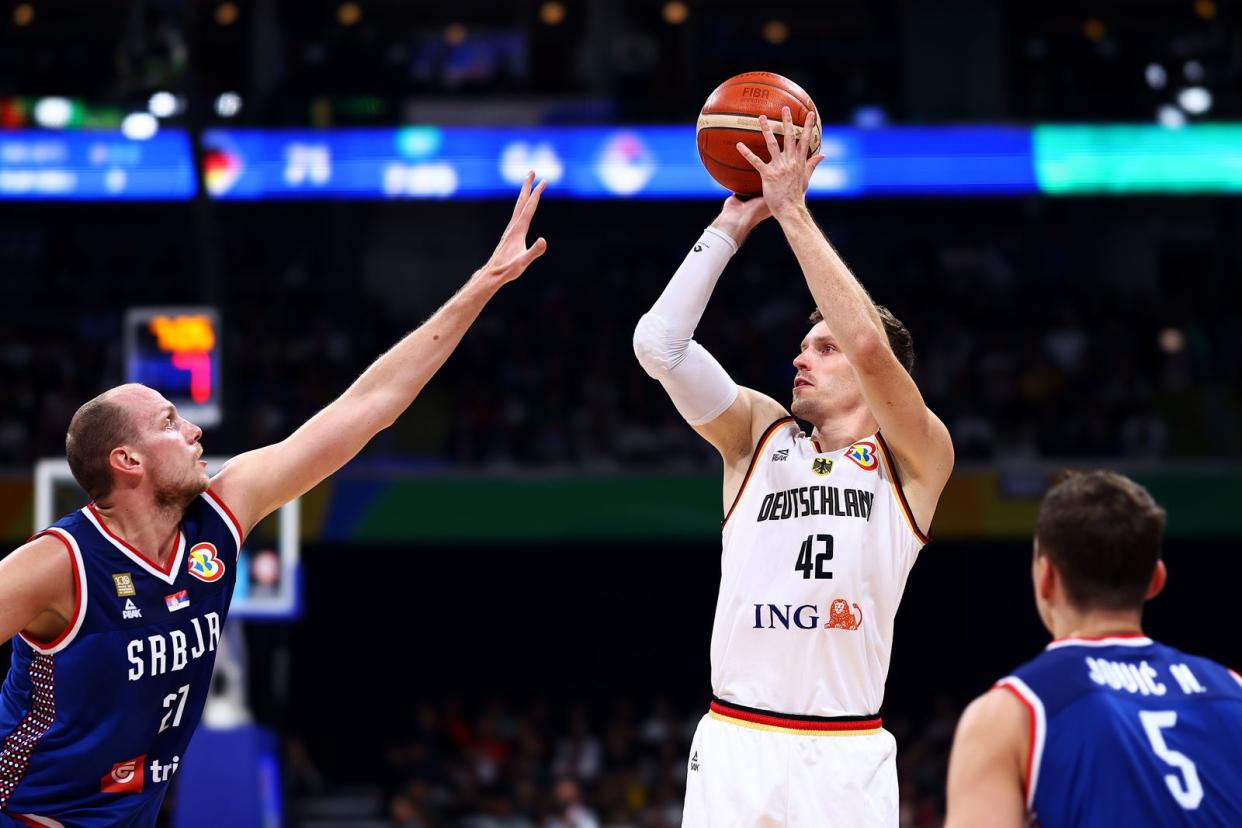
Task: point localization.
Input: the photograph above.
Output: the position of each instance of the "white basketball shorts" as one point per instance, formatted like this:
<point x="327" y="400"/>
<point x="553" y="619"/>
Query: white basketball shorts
<point x="750" y="768"/>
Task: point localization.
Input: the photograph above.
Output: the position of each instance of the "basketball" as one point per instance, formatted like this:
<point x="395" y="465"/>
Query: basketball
<point x="731" y="114"/>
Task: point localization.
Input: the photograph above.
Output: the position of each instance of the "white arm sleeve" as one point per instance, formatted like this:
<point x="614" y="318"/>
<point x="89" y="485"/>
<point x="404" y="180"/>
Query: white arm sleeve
<point x="663" y="343"/>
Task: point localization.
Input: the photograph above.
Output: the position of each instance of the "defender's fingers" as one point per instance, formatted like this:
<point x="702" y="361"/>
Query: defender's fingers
<point x="533" y="252"/>
<point x="522" y="196"/>
<point x="528" y="212"/>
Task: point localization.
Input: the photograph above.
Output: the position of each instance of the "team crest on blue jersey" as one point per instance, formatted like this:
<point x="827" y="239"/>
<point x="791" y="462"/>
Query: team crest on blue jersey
<point x="205" y="563"/>
<point x="821" y="465"/>
<point x="864" y="456"/>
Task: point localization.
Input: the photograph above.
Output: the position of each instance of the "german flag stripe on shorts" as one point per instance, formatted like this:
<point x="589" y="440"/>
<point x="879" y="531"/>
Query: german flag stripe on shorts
<point x="799" y="725"/>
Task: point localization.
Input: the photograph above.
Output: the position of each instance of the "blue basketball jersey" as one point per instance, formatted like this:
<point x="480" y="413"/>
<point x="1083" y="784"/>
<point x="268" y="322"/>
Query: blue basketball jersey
<point x="94" y="725"/>
<point x="1129" y="732"/>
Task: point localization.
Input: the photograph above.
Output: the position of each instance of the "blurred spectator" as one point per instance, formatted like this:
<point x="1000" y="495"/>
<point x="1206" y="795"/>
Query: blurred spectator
<point x="634" y="778"/>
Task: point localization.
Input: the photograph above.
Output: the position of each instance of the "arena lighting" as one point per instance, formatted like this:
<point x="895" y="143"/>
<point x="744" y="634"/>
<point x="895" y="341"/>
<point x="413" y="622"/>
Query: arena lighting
<point x="1172" y="341"/>
<point x="1205" y="9"/>
<point x="228" y="104"/>
<point x="1193" y="71"/>
<point x="1156" y="76"/>
<point x="162" y="105"/>
<point x="455" y="34"/>
<point x="23" y="14"/>
<point x="347" y="14"/>
<point x="1195" y="99"/>
<point x="139" y="126"/>
<point x="1170" y="116"/>
<point x="226" y="14"/>
<point x="53" y="113"/>
<point x="775" y="32"/>
<point x="675" y="12"/>
<point x="552" y="14"/>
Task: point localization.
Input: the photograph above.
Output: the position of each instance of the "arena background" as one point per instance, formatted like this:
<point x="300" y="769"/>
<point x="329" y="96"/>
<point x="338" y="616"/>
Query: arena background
<point x="507" y="600"/>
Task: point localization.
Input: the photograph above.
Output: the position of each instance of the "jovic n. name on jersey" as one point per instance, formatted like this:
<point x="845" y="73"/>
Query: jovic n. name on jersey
<point x="95" y="724"/>
<point x="816" y="550"/>
<point x="1126" y="731"/>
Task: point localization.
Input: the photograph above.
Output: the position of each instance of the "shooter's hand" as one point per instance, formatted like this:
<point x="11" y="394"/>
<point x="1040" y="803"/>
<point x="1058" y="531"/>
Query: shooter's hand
<point x="787" y="175"/>
<point x="738" y="217"/>
<point x="512" y="256"/>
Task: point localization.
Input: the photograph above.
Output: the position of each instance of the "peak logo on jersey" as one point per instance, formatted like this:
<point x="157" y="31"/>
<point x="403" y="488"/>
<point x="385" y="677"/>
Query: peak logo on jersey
<point x="126" y="777"/>
<point x="821" y="465"/>
<point x="840" y="617"/>
<point x="205" y="563"/>
<point x="131" y="610"/>
<point x="177" y="601"/>
<point x="124" y="584"/>
<point x="864" y="456"/>
<point x="783" y="454"/>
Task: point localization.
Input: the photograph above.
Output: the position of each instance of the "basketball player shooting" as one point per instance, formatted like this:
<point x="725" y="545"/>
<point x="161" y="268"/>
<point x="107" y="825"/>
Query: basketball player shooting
<point x="117" y="609"/>
<point x="1106" y="726"/>
<point x="820" y="530"/>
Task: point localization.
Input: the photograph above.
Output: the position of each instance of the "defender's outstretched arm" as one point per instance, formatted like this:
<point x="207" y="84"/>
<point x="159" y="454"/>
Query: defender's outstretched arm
<point x="258" y="482"/>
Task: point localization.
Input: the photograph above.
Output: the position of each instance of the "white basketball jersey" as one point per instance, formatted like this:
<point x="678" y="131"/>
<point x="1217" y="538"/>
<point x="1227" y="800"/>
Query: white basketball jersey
<point x="817" y="547"/>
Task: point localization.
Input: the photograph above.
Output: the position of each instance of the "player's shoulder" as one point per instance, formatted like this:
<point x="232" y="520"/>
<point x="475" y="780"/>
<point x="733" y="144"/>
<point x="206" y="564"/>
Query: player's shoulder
<point x="1192" y="667"/>
<point x="767" y="416"/>
<point x="209" y="512"/>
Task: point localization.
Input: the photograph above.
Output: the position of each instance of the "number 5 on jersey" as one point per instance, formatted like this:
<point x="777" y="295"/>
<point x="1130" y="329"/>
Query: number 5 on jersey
<point x="1188" y="790"/>
<point x="810" y="561"/>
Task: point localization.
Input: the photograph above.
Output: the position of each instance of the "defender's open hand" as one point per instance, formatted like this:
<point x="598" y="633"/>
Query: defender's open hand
<point x="512" y="256"/>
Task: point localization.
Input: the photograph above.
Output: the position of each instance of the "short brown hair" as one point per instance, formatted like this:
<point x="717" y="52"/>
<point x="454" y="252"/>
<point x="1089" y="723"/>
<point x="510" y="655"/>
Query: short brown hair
<point x="1103" y="532"/>
<point x="899" y="338"/>
<point x="96" y="429"/>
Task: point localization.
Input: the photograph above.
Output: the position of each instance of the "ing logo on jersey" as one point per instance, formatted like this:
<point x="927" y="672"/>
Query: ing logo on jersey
<point x="205" y="563"/>
<point x="840" y="617"/>
<point x="821" y="465"/>
<point x="864" y="456"/>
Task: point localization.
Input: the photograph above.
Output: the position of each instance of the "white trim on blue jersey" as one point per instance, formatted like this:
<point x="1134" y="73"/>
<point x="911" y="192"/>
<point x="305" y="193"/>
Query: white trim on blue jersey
<point x="1117" y="641"/>
<point x="1039" y="734"/>
<point x="80" y="576"/>
<point x="167" y="577"/>
<point x="227" y="518"/>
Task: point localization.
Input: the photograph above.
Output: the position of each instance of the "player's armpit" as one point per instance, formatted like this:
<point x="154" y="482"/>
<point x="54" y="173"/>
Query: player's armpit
<point x="36" y="589"/>
<point x="987" y="767"/>
<point x="735" y="431"/>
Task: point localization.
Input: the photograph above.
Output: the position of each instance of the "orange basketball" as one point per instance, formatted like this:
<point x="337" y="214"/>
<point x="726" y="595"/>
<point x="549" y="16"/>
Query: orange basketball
<point x="731" y="114"/>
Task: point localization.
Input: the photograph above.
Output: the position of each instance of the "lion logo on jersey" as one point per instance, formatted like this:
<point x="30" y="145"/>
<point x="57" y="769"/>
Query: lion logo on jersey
<point x="821" y="465"/>
<point x="864" y="456"/>
<point x="205" y="563"/>
<point x="840" y="617"/>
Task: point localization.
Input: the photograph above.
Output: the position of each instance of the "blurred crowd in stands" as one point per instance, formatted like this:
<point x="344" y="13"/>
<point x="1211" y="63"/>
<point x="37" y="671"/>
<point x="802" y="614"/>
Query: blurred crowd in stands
<point x="615" y="765"/>
<point x="1040" y="331"/>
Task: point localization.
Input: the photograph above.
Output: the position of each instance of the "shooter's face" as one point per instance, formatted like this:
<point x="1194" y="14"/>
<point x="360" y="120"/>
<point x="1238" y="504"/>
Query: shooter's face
<point x="825" y="382"/>
<point x="169" y="448"/>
